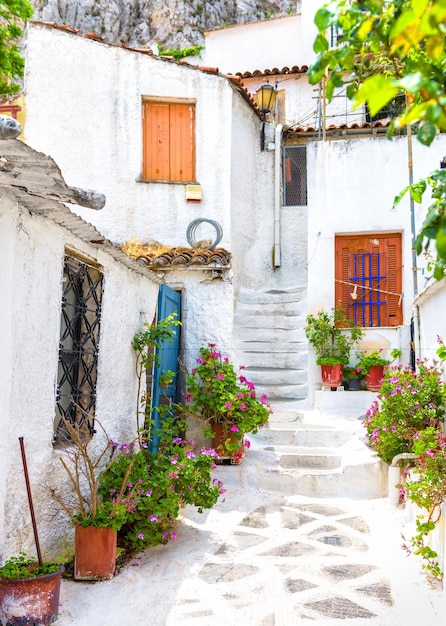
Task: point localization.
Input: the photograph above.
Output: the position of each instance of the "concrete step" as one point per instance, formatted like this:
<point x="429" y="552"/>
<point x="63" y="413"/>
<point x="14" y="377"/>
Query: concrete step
<point x="269" y="344"/>
<point x="277" y="360"/>
<point x="276" y="335"/>
<point x="271" y="308"/>
<point x="320" y="460"/>
<point x="290" y="392"/>
<point x="280" y="376"/>
<point x="285" y="322"/>
<point x="252" y="296"/>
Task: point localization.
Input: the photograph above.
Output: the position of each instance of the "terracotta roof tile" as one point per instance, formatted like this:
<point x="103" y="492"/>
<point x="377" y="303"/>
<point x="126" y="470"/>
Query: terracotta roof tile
<point x="274" y="72"/>
<point x="337" y="128"/>
<point x="186" y="257"/>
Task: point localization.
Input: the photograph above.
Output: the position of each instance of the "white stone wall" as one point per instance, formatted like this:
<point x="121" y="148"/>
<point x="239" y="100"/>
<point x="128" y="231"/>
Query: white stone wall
<point x="87" y="114"/>
<point x="279" y="42"/>
<point x="351" y="188"/>
<point x="32" y="249"/>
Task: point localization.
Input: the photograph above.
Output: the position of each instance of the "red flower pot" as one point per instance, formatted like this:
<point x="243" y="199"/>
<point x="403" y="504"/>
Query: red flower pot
<point x="94" y="553"/>
<point x="220" y="436"/>
<point x="332" y="375"/>
<point x="30" y="600"/>
<point x="374" y="377"/>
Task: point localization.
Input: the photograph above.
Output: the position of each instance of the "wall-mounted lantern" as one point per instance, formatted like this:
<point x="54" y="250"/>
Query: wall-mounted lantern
<point x="266" y="98"/>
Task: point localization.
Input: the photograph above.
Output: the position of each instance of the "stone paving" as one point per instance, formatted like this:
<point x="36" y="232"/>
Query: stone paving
<point x="266" y="557"/>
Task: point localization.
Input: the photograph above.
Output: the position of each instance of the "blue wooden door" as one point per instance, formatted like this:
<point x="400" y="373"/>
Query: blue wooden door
<point x="169" y="301"/>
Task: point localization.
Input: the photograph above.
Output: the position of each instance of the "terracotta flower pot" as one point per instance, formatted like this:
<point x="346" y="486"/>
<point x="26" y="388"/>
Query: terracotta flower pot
<point x="332" y="375"/>
<point x="374" y="377"/>
<point x="94" y="553"/>
<point x="29" y="601"/>
<point x="219" y="438"/>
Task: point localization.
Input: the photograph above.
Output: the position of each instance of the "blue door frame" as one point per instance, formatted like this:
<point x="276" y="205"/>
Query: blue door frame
<point x="169" y="301"/>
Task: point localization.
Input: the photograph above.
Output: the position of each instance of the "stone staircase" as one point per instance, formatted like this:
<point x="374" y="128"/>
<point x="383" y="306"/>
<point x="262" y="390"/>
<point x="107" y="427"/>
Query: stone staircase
<point x="269" y="340"/>
<point x="316" y="455"/>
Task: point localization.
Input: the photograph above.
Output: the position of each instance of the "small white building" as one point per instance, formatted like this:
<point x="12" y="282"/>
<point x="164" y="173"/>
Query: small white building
<point x="71" y="304"/>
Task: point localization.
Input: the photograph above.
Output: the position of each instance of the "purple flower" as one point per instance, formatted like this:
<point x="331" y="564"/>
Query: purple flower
<point x="228" y="405"/>
<point x="234" y="429"/>
<point x="154" y="518"/>
<point x="220" y="377"/>
<point x="140" y="535"/>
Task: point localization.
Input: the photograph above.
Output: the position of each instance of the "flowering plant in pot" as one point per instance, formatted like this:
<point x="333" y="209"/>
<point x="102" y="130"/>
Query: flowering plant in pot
<point x="29" y="590"/>
<point x="332" y="335"/>
<point x="163" y="481"/>
<point x="373" y="364"/>
<point x="225" y="400"/>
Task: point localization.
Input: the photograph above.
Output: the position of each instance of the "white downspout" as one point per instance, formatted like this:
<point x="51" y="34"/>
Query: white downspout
<point x="277" y="185"/>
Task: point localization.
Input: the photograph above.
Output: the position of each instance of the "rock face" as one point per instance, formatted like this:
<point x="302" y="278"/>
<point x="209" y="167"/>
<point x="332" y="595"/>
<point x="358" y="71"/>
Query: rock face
<point x="168" y="23"/>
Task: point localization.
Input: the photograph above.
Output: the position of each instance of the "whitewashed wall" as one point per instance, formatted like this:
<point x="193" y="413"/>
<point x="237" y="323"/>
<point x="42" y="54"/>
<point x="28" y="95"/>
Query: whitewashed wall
<point x="277" y="42"/>
<point x="431" y="323"/>
<point x="351" y="187"/>
<point x="32" y="249"/>
<point x="90" y="102"/>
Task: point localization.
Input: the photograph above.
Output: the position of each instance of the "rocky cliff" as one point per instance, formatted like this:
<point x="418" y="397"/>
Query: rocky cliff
<point x="168" y="23"/>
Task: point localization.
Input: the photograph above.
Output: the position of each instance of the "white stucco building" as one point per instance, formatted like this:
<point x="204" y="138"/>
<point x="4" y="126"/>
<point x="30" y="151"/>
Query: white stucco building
<point x="54" y="266"/>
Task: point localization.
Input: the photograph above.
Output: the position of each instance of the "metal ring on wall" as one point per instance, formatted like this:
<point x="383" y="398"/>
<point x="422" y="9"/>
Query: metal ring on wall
<point x="191" y="229"/>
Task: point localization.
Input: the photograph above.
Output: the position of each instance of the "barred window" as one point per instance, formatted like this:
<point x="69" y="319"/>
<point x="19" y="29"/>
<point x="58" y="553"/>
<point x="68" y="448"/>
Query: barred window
<point x="368" y="273"/>
<point x="78" y="348"/>
<point x="294" y="167"/>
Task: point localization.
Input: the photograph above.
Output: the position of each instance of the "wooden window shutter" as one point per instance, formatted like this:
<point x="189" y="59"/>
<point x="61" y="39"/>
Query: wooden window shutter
<point x="168" y="141"/>
<point x="394" y="281"/>
<point x="373" y="263"/>
<point x="156" y="141"/>
<point x="182" y="142"/>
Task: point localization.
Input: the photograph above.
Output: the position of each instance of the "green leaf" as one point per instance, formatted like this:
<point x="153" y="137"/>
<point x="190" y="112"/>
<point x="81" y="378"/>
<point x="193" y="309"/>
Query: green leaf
<point x="426" y="133"/>
<point x="323" y="18"/>
<point x="377" y="91"/>
<point x="417" y="190"/>
<point x="320" y="44"/>
<point x="399" y="197"/>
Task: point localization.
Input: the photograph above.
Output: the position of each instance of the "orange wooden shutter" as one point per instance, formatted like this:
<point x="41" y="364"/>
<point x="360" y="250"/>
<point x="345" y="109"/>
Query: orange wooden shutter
<point x="156" y="141"/>
<point x="182" y="142"/>
<point x="168" y="141"/>
<point x="384" y="264"/>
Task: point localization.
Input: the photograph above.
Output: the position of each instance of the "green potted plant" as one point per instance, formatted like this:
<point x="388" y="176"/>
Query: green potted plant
<point x="332" y="335"/>
<point x="226" y="401"/>
<point x="373" y="364"/>
<point x="29" y="591"/>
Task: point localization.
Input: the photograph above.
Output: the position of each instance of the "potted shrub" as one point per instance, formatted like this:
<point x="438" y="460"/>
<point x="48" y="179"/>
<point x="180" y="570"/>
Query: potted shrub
<point x="226" y="401"/>
<point x="332" y="335"/>
<point x="29" y="591"/>
<point x="96" y="519"/>
<point x="373" y="364"/>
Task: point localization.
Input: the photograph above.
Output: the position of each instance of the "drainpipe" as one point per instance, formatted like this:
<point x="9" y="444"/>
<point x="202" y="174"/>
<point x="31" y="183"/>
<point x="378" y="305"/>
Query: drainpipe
<point x="277" y="185"/>
<point x="394" y="477"/>
<point x="415" y="321"/>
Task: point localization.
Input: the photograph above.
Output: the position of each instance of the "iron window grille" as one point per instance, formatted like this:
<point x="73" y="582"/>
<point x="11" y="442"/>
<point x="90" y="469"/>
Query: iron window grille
<point x="294" y="166"/>
<point x="78" y="348"/>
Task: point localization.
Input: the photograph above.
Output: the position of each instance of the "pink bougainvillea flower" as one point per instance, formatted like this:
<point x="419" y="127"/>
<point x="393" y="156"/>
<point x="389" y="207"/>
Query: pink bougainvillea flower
<point x="234" y="429"/>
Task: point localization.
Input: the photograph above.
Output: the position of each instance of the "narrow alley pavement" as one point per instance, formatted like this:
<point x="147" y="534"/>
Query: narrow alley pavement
<point x="271" y="554"/>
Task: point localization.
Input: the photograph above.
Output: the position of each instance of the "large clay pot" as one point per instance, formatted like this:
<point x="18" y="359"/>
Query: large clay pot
<point x="30" y="601"/>
<point x="374" y="377"/>
<point x="94" y="553"/>
<point x="219" y="437"/>
<point x="332" y="375"/>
